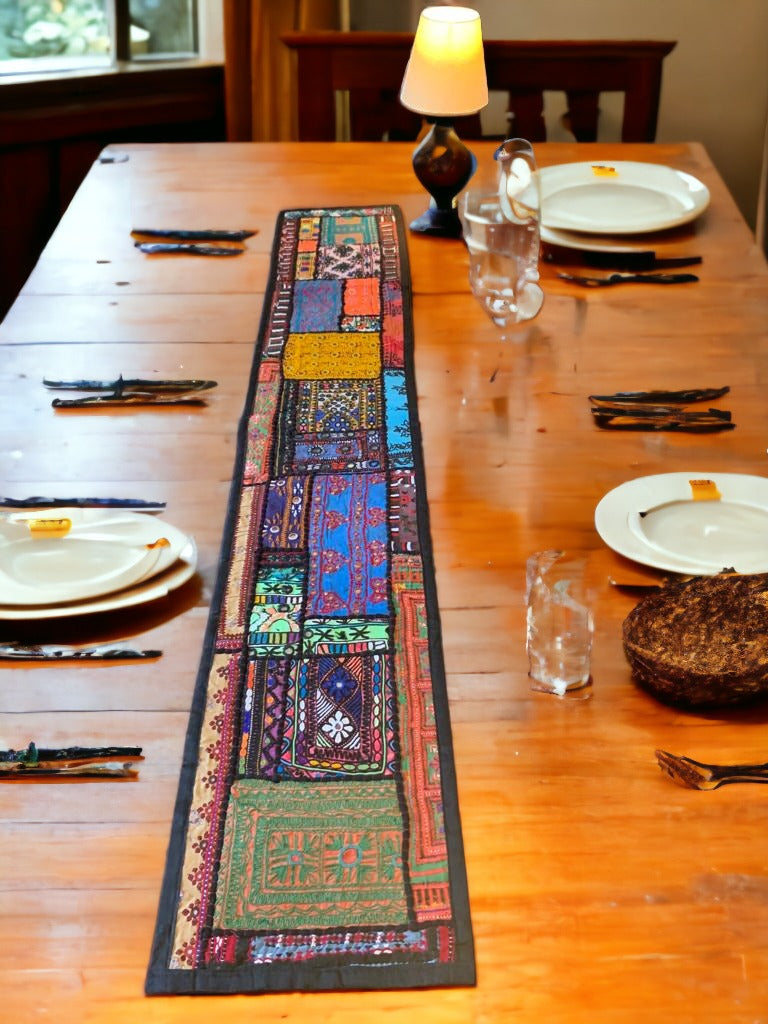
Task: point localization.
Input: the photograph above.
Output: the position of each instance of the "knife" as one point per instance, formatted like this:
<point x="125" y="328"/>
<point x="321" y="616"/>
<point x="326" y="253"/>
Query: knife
<point x="193" y="248"/>
<point x="211" y="235"/>
<point x="38" y="501"/>
<point x="655" y="411"/>
<point x="611" y="279"/>
<point x="709" y="422"/>
<point x="44" y="757"/>
<point x="22" y="773"/>
<point x="640" y="259"/>
<point x="11" y="651"/>
<point x="130" y="383"/>
<point x="659" y="397"/>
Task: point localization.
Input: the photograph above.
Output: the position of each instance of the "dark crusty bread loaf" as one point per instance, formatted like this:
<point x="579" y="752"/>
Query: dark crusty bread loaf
<point x="702" y="643"/>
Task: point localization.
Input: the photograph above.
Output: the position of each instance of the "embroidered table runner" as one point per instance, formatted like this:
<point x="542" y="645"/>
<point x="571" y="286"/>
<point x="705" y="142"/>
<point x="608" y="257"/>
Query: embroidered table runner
<point x="316" y="840"/>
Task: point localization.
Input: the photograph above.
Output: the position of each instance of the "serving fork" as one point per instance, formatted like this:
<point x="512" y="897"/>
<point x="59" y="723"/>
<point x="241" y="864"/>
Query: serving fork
<point x="697" y="775"/>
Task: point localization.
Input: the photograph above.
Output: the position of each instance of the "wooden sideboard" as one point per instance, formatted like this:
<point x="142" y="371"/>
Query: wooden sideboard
<point x="53" y="128"/>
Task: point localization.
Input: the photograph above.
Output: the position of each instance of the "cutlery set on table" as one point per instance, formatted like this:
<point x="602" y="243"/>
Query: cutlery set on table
<point x="596" y="214"/>
<point x="68" y="556"/>
<point x="661" y="410"/>
<point x="62" y="557"/>
<point x="72" y="764"/>
<point x="130" y="391"/>
<point x="696" y="640"/>
<point x="183" y="241"/>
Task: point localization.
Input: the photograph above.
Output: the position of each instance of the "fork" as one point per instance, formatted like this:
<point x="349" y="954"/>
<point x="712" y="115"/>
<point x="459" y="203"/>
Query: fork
<point x="697" y="775"/>
<point x="609" y="279"/>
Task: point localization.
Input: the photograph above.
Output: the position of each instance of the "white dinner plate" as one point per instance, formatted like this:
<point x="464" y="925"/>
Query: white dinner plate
<point x="619" y="198"/>
<point x="95" y="552"/>
<point x="656" y="521"/>
<point x="592" y="243"/>
<point x="150" y="590"/>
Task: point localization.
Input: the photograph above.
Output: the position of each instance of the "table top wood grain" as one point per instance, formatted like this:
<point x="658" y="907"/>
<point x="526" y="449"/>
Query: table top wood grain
<point x="600" y="890"/>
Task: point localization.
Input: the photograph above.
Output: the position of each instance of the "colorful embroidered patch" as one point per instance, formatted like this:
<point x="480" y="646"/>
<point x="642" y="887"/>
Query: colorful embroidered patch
<point x="317" y="306"/>
<point x="309" y="857"/>
<point x="348" y="560"/>
<point x="348" y="261"/>
<point x="284" y="525"/>
<point x="330" y="355"/>
<point x="362" y="296"/>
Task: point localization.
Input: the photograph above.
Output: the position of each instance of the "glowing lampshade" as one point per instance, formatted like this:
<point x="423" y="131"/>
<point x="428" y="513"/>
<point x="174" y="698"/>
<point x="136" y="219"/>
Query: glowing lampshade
<point x="445" y="75"/>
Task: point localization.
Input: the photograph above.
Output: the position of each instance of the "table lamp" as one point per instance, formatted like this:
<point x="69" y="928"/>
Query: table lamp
<point x="445" y="78"/>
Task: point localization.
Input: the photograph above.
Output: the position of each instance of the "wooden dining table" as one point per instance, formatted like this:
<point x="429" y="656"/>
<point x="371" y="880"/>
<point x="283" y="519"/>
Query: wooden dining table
<point x="600" y="890"/>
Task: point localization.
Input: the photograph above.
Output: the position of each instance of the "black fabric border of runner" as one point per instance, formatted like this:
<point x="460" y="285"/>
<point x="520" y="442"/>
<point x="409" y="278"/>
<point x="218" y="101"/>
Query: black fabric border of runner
<point x="254" y="979"/>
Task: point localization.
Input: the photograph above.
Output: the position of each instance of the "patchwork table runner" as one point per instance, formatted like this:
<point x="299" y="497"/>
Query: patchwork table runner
<point x="316" y="840"/>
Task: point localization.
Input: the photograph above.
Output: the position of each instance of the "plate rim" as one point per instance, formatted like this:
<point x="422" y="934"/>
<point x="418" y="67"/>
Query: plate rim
<point x="660" y="224"/>
<point x="607" y="532"/>
<point x="175" y="576"/>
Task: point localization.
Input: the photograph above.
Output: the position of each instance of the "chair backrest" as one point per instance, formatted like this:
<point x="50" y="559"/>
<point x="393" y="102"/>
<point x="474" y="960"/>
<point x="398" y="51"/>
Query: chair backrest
<point x="369" y="66"/>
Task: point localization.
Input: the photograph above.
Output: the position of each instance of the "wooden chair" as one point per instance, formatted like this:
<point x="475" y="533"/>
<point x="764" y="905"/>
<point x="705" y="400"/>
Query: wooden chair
<point x="369" y="66"/>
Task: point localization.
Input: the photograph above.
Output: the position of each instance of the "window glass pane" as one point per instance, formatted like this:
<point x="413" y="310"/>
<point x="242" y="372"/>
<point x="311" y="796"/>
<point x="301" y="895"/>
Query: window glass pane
<point x="43" y="35"/>
<point x="59" y="32"/>
<point x="163" y="27"/>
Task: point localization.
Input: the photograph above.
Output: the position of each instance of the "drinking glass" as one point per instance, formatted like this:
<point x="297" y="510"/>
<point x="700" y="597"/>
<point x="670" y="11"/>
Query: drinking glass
<point x="501" y="232"/>
<point x="559" y="624"/>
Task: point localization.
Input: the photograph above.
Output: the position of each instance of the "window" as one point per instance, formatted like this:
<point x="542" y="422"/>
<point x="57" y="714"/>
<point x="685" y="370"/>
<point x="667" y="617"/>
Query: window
<point x="53" y="35"/>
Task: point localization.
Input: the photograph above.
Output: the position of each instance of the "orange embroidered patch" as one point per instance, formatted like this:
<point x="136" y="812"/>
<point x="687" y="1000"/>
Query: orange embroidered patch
<point x="361" y="297"/>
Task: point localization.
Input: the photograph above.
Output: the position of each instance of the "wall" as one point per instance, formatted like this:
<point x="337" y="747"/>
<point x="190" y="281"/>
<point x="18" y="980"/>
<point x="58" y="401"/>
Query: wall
<point x="379" y="16"/>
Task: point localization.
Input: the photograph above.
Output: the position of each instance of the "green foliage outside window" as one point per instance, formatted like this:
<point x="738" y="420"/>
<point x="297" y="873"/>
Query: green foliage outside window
<point x="45" y="28"/>
<point x="74" y="28"/>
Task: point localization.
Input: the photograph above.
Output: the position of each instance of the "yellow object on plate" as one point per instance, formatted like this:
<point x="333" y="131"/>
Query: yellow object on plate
<point x="49" y="527"/>
<point x="705" y="490"/>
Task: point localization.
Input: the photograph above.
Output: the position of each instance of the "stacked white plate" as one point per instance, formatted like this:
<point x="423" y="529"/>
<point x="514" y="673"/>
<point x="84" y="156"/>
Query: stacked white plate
<point x="580" y="202"/>
<point x="74" y="561"/>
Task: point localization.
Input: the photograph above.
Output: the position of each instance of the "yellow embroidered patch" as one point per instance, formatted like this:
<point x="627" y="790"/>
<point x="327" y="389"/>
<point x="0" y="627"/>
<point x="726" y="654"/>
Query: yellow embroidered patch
<point x="331" y="355"/>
